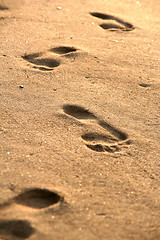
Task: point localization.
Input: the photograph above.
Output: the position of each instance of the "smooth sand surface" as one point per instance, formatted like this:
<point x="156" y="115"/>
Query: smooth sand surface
<point x="79" y="119"/>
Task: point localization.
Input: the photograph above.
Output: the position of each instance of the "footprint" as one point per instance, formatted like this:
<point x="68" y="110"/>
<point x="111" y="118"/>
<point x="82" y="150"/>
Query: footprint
<point x="47" y="61"/>
<point x="41" y="62"/>
<point x="15" y="229"/>
<point x="113" y="139"/>
<point x="122" y="25"/>
<point x="35" y="198"/>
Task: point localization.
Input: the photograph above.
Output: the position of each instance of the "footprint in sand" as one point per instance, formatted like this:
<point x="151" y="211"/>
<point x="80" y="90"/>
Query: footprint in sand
<point x="15" y="229"/>
<point x="122" y="25"/>
<point x="42" y="62"/>
<point x="34" y="198"/>
<point x="111" y="141"/>
<point x="38" y="198"/>
<point x="47" y="61"/>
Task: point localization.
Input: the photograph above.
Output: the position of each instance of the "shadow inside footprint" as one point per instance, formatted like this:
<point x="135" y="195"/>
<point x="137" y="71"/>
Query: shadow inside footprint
<point x="126" y="25"/>
<point x="78" y="112"/>
<point x="38" y="198"/>
<point x="63" y="50"/>
<point x="96" y="147"/>
<point x="3" y="8"/>
<point x="16" y="228"/>
<point x="98" y="137"/>
<point x="102" y="15"/>
<point x="46" y="64"/>
<point x="145" y="85"/>
<point x="110" y="26"/>
<point x="103" y="148"/>
<point x="116" y="132"/>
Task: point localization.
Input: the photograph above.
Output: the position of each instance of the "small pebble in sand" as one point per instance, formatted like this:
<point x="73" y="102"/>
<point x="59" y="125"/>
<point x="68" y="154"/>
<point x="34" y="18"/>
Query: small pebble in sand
<point x="59" y="8"/>
<point x="21" y="86"/>
<point x="12" y="187"/>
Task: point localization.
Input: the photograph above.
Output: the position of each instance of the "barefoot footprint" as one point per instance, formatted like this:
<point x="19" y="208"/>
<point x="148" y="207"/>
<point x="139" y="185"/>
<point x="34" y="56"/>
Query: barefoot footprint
<point x="15" y="229"/>
<point x="110" y="142"/>
<point x="47" y="61"/>
<point x="122" y="25"/>
<point x="34" y="198"/>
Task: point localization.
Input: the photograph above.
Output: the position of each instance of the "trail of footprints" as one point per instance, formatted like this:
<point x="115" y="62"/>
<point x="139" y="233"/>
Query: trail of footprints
<point x="110" y="142"/>
<point x="113" y="139"/>
<point x="35" y="198"/>
<point x="122" y="25"/>
<point x="47" y="61"/>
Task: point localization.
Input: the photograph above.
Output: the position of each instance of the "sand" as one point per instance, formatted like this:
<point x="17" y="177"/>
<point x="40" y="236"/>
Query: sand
<point x="79" y="120"/>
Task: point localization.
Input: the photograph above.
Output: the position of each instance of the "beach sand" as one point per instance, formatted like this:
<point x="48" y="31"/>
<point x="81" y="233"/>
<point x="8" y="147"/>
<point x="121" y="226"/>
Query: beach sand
<point x="79" y="120"/>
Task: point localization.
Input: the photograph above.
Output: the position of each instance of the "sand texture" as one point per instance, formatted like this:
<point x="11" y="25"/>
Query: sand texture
<point x="79" y="120"/>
